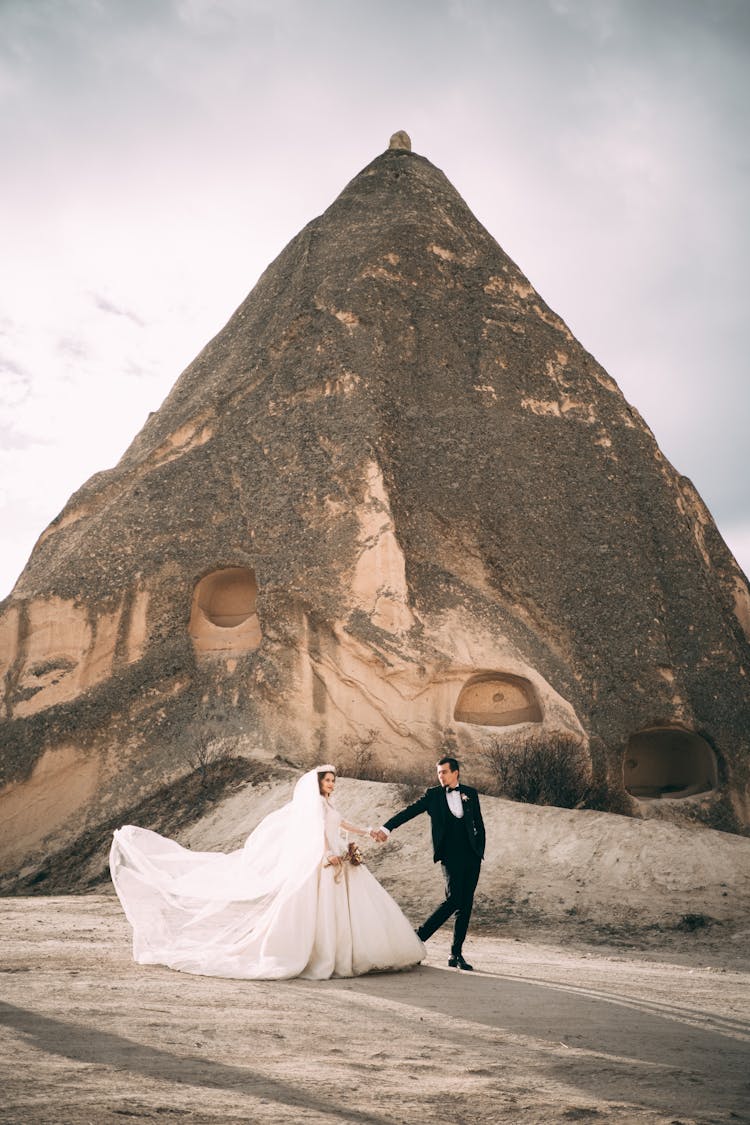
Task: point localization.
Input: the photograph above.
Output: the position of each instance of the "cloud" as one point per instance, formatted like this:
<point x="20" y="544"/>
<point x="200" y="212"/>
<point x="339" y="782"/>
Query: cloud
<point x="108" y="306"/>
<point x="15" y="384"/>
<point x="11" y="438"/>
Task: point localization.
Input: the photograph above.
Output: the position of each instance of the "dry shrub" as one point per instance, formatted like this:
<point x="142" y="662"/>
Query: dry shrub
<point x="357" y="757"/>
<point x="545" y="769"/>
<point x="207" y="753"/>
<point x="448" y="747"/>
<point x="411" y="785"/>
<point x="603" y="796"/>
<point x="211" y="739"/>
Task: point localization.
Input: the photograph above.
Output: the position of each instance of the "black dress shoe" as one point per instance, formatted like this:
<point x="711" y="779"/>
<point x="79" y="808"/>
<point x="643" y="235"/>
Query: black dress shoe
<point x="458" y="962"/>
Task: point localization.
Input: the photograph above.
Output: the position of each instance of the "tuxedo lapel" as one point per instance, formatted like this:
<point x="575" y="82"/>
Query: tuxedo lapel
<point x="440" y="806"/>
<point x="468" y="808"/>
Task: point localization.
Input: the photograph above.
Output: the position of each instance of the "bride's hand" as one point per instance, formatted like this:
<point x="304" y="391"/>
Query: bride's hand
<point x="334" y="860"/>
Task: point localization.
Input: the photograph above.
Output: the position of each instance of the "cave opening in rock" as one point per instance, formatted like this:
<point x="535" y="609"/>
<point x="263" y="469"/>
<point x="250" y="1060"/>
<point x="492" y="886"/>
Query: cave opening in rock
<point x="497" y="699"/>
<point x="668" y="762"/>
<point x="223" y="613"/>
<point x="227" y="597"/>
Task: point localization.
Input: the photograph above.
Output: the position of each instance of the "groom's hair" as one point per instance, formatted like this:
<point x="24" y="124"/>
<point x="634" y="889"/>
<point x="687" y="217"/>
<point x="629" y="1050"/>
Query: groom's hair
<point x="454" y="764"/>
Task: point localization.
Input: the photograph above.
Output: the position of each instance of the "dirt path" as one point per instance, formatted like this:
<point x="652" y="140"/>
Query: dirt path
<point x="541" y="1033"/>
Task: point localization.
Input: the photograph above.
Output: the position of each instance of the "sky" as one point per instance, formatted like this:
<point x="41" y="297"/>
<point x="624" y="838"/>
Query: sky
<point x="156" y="155"/>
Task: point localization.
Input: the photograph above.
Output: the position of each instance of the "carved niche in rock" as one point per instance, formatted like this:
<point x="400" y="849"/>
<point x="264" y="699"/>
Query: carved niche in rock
<point x="223" y="616"/>
<point x="497" y="699"/>
<point x="668" y="762"/>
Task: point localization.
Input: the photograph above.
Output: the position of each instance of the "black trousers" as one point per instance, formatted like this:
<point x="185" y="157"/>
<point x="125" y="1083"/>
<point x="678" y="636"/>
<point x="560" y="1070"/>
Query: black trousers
<point x="461" y="874"/>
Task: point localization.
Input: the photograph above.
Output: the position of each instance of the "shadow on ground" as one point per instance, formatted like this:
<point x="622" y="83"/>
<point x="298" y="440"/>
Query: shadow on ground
<point x="82" y="1044"/>
<point x="671" y="1059"/>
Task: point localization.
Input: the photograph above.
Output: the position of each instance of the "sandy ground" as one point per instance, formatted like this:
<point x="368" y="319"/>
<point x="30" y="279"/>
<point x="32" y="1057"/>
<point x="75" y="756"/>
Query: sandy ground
<point x="540" y="1032"/>
<point x="612" y="984"/>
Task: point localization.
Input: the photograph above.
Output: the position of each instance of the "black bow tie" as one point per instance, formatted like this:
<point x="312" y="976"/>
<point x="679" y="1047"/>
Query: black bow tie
<point x="453" y="790"/>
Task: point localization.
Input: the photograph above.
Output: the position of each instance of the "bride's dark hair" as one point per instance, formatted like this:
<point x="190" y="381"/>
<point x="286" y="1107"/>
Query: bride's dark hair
<point x="321" y="775"/>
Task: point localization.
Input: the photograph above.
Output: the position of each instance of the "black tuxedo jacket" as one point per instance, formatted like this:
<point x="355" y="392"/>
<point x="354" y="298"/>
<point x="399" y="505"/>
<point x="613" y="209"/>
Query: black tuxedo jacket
<point x="435" y="803"/>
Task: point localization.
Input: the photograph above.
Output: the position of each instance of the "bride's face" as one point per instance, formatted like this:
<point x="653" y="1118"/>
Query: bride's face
<point x="327" y="784"/>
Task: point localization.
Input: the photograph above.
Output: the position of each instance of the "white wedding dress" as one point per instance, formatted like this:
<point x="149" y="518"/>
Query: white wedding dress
<point x="271" y="910"/>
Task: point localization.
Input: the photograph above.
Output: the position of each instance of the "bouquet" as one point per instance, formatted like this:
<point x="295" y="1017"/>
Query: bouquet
<point x="352" y="855"/>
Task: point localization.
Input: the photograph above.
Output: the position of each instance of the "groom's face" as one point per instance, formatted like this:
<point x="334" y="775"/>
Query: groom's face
<point x="447" y="776"/>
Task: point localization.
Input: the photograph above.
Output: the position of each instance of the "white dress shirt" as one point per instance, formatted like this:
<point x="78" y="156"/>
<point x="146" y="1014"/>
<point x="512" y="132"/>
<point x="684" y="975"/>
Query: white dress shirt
<point x="455" y="804"/>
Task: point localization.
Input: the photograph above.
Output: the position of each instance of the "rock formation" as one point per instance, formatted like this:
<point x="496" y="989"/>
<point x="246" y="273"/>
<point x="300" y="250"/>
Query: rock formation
<point x="393" y="504"/>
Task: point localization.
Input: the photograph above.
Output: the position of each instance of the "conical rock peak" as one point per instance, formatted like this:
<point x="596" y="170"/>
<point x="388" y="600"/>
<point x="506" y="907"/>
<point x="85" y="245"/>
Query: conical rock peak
<point x="392" y="506"/>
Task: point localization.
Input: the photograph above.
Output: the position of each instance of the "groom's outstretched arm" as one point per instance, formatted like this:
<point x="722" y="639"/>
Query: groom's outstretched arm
<point x="408" y="813"/>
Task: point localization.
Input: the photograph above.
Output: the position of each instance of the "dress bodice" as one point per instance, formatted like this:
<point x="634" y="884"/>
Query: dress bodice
<point x="332" y="827"/>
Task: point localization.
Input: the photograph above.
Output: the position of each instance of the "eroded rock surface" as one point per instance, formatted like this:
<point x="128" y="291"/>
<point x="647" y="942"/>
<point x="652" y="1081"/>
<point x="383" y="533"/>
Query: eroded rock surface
<point x="393" y="495"/>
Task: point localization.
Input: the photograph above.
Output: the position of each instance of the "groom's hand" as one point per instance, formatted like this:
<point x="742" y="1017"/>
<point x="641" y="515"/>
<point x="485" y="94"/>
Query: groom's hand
<point x="380" y="836"/>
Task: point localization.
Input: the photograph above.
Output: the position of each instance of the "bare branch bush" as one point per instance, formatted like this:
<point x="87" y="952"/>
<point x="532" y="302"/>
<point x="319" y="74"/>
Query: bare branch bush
<point x="412" y="784"/>
<point x="544" y="769"/>
<point x="603" y="796"/>
<point x="358" y="760"/>
<point x="358" y="757"/>
<point x="206" y="754"/>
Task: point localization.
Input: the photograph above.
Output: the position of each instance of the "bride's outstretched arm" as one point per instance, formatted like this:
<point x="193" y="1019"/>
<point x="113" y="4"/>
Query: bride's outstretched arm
<point x="356" y="830"/>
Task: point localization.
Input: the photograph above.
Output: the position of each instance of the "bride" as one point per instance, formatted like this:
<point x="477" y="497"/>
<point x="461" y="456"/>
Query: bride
<point x="287" y="904"/>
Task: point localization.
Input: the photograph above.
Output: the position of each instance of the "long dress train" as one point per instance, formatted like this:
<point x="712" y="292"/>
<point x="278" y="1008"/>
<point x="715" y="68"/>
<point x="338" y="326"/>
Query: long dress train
<point x="272" y="909"/>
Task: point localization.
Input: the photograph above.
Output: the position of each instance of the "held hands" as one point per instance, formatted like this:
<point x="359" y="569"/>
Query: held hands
<point x="379" y="835"/>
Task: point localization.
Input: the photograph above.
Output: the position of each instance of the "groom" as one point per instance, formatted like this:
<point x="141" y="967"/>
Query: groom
<point x="458" y="843"/>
